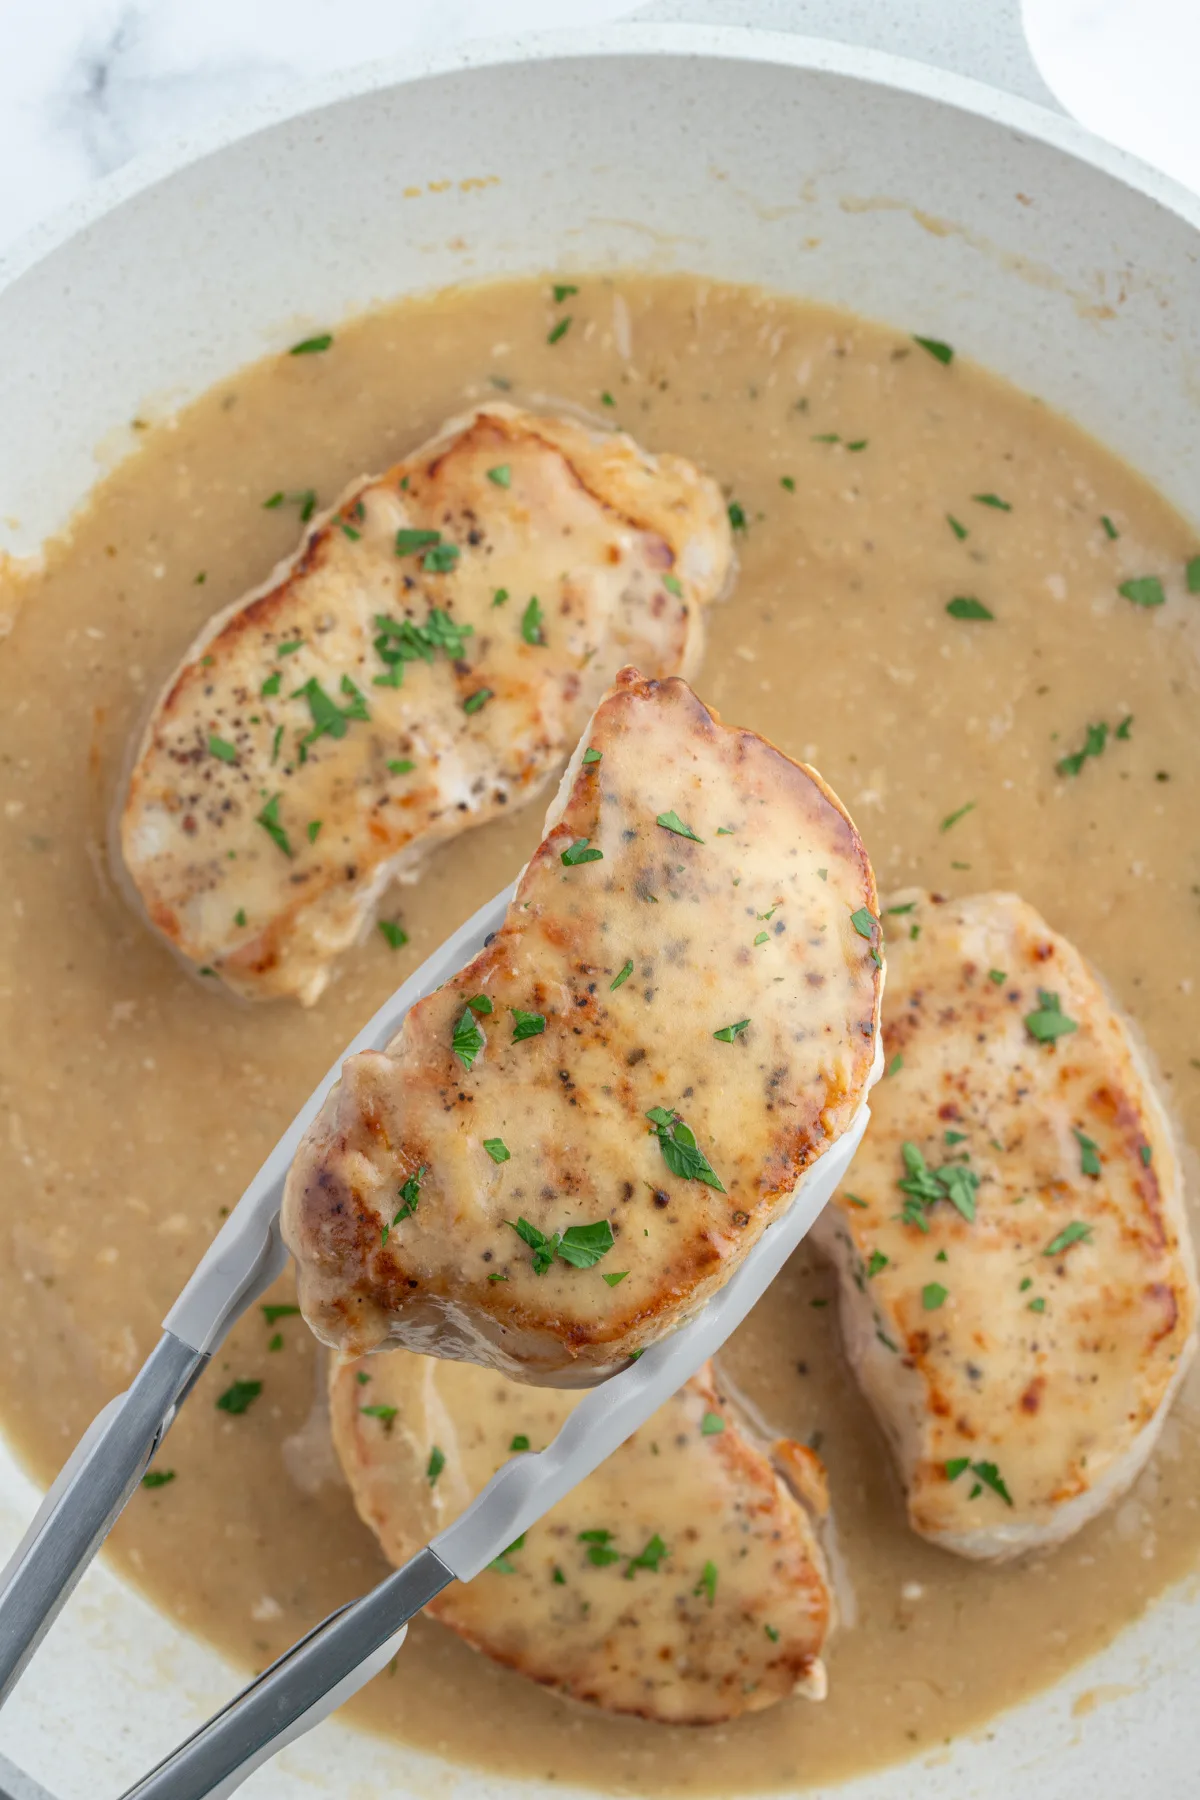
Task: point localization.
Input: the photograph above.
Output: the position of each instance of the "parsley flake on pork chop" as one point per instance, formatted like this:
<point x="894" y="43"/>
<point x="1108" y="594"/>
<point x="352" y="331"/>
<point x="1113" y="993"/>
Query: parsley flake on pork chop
<point x="621" y="1109"/>
<point x="371" y="684"/>
<point x="698" y="1544"/>
<point x="1018" y="1290"/>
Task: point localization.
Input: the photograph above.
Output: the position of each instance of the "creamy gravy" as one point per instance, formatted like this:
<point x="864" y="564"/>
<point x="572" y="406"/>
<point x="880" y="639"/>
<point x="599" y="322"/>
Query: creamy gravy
<point x="138" y="1102"/>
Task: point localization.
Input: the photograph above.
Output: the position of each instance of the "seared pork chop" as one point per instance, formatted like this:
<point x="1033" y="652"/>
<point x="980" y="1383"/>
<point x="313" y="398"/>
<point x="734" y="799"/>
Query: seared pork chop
<point x="1018" y="1290"/>
<point x="574" y="1143"/>
<point x="425" y="659"/>
<point x="681" y="1581"/>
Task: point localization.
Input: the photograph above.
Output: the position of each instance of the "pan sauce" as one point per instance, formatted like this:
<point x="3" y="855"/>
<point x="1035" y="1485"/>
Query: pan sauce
<point x="138" y="1103"/>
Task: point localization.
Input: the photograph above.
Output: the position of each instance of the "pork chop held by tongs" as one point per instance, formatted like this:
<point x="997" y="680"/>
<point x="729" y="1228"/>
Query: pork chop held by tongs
<point x="572" y="1145"/>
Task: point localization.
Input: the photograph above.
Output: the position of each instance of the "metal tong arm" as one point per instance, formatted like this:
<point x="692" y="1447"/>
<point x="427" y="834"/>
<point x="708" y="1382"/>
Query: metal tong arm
<point x="85" y="1500"/>
<point x="320" y="1671"/>
<point x="241" y="1262"/>
<point x="295" y="1693"/>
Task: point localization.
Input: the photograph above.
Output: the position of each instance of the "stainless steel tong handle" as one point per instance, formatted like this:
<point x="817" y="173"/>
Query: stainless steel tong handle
<point x="78" y="1512"/>
<point x="308" y="1682"/>
<point x="244" y="1258"/>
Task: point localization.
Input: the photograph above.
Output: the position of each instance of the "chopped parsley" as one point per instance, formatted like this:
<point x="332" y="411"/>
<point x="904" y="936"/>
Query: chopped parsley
<point x="965" y="606"/>
<point x="712" y="1425"/>
<point x="864" y="922"/>
<point x="1074" y="1233"/>
<point x="271" y="685"/>
<point x="400" y="765"/>
<point x="410" y="1194"/>
<point x="992" y="500"/>
<point x="441" y="559"/>
<point x="468" y="1040"/>
<point x="647" y="1558"/>
<point x="412" y="538"/>
<point x="312" y="346"/>
<point x="942" y="353"/>
<point x="616" y="1277"/>
<point x="559" y="331"/>
<point x="876" y="1264"/>
<point x="986" y="1475"/>
<point x="501" y="1563"/>
<point x="771" y="1633"/>
<point x="157" y="1478"/>
<point x="737" y="515"/>
<point x="606" y="399"/>
<point x="222" y="749"/>
<point x="520" y="1442"/>
<point x="954" y="817"/>
<point x="786" y="482"/>
<point x="1143" y="590"/>
<point x="526" y="1024"/>
<point x="763" y="937"/>
<point x="579" y="852"/>
<point x="622" y="976"/>
<point x="896" y="1064"/>
<point x="599" y="1548"/>
<point x="591" y="756"/>
<point x="1089" y="1155"/>
<point x="479" y="698"/>
<point x="435" y="1465"/>
<point x="998" y="976"/>
<point x="583" y="1245"/>
<point x="1146" y="1153"/>
<point x="671" y="821"/>
<point x="328" y="718"/>
<point x="1037" y="1305"/>
<point x="673" y="585"/>
<point x="531" y="622"/>
<point x="580" y="1245"/>
<point x="500" y="596"/>
<point x="273" y="1311"/>
<point x="1093" y="745"/>
<point x="1191" y="575"/>
<point x="497" y="1149"/>
<point x="1122" y="730"/>
<point x="395" y="934"/>
<point x="1110" y="530"/>
<point x="268" y="818"/>
<point x="707" y="1583"/>
<point x="1049" y="1021"/>
<point x="313" y="829"/>
<point x="925" y="1187"/>
<point x="239" y="917"/>
<point x="933" y="1295"/>
<point x="563" y="291"/>
<point x="728" y="1033"/>
<point x="291" y="647"/>
<point x="680" y="1151"/>
<point x="501" y="475"/>
<point x="960" y="531"/>
<point x="239" y="1396"/>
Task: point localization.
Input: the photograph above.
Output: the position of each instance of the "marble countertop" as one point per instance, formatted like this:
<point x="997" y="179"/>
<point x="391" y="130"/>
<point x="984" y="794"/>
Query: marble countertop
<point x="85" y="85"/>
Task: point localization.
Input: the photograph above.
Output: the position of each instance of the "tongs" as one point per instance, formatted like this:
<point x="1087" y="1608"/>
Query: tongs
<point x="345" y="1650"/>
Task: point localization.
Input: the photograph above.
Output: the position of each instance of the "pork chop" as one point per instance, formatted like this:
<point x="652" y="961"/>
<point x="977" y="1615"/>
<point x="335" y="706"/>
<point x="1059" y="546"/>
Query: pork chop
<point x="1018" y="1293"/>
<point x="681" y="1581"/>
<point x="569" y="1147"/>
<point x="425" y="659"/>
